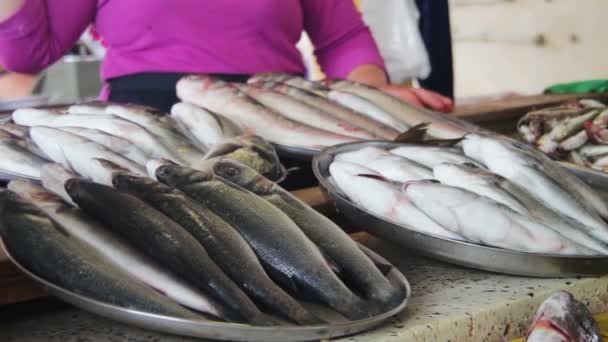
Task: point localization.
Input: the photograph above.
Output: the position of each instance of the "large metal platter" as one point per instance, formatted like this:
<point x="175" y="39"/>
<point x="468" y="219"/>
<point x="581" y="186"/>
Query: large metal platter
<point x="452" y="251"/>
<point x="232" y="331"/>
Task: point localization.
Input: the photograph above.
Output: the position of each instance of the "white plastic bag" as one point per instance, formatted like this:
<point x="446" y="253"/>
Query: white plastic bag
<point x="394" y="25"/>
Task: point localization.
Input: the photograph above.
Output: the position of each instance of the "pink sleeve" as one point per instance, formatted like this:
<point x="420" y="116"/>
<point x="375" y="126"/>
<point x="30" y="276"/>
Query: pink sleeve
<point x="41" y="32"/>
<point x="342" y="40"/>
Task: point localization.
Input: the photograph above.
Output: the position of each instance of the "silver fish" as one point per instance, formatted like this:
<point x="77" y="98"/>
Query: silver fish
<point x="16" y="158"/>
<point x="317" y="88"/>
<point x="367" y="108"/>
<point x="431" y="156"/>
<point x="572" y="143"/>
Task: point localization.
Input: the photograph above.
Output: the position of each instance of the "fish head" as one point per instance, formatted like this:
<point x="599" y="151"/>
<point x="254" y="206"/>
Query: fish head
<point x="133" y="183"/>
<point x="173" y="174"/>
<point x="242" y="175"/>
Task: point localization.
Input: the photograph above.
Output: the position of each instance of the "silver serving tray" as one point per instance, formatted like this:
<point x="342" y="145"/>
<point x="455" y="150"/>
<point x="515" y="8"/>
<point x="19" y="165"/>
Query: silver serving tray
<point x="230" y="331"/>
<point x="452" y="251"/>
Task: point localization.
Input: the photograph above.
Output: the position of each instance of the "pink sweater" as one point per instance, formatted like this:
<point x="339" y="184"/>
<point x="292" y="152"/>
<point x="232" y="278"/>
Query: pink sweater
<point x="191" y="36"/>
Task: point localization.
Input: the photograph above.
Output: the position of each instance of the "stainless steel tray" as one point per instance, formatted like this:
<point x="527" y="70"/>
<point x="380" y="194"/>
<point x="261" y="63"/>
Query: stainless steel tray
<point x="229" y="331"/>
<point x="452" y="251"/>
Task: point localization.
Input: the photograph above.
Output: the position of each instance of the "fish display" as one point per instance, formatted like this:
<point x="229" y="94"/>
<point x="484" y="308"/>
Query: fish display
<point x="561" y="318"/>
<point x="361" y="105"/>
<point x="17" y="158"/>
<point x="33" y="237"/>
<point x="166" y="242"/>
<point x="286" y="252"/>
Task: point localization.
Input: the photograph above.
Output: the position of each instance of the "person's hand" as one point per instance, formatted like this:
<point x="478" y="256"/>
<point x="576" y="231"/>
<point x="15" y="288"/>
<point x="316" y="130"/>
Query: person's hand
<point x="420" y="97"/>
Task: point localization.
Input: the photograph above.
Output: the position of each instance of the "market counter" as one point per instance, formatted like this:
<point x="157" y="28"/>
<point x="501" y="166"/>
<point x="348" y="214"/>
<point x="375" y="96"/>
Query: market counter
<point x="448" y="303"/>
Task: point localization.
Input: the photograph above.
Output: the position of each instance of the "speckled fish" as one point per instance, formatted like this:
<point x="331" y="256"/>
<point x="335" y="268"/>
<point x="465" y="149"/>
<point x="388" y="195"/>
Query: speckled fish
<point x="250" y="150"/>
<point x="368" y="108"/>
<point x="51" y="252"/>
<point x="285" y="251"/>
<point x="388" y="202"/>
<point x="251" y="116"/>
<point x="203" y="126"/>
<point x="304" y="113"/>
<point x="223" y="243"/>
<point x="561" y="318"/>
<point x="441" y="126"/>
<point x="431" y="156"/>
<point x="501" y="190"/>
<point x="125" y="129"/>
<point x="332" y="240"/>
<point x="466" y="213"/>
<point x="533" y="171"/>
<point x="340" y="112"/>
<point x="75" y="152"/>
<point x="116" y="251"/>
<point x="317" y="88"/>
<point x="118" y="145"/>
<point x="16" y="157"/>
<point x="165" y="241"/>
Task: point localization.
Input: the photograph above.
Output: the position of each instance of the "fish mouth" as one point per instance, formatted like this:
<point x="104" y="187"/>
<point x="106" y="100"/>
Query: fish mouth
<point x="547" y="324"/>
<point x="376" y="177"/>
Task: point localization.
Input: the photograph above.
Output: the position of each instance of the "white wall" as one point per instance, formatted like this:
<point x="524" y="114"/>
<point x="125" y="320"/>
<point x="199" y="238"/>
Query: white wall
<point x="496" y="44"/>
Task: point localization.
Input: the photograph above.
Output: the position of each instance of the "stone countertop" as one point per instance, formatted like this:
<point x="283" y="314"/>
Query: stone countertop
<point x="448" y="303"/>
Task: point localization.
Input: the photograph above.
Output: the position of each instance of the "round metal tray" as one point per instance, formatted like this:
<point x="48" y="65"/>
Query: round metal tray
<point x="452" y="251"/>
<point x="337" y="327"/>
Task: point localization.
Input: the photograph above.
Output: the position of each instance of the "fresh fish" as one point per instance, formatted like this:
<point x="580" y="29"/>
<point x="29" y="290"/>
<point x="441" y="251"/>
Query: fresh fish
<point x="601" y="119"/>
<point x="18" y="131"/>
<point x="223" y="243"/>
<point x="363" y="155"/>
<point x="441" y="126"/>
<point x="530" y="170"/>
<point x="468" y="214"/>
<point x="501" y="190"/>
<point x="561" y="318"/>
<point x="91" y="107"/>
<point x="574" y="142"/>
<point x="161" y="125"/>
<point x="388" y="202"/>
<point x="287" y="254"/>
<point x="549" y="142"/>
<point x="205" y="127"/>
<point x="51" y="252"/>
<point x="53" y="177"/>
<point x="251" y="116"/>
<point x="75" y="152"/>
<point x="304" y="113"/>
<point x="368" y="108"/>
<point x="119" y="254"/>
<point x="330" y="238"/>
<point x="16" y="158"/>
<point x="250" y="150"/>
<point x="597" y="134"/>
<point x="593" y="150"/>
<point x="165" y="241"/>
<point x="339" y="112"/>
<point x="390" y="166"/>
<point x="127" y="130"/>
<point x="317" y="88"/>
<point x="118" y="145"/>
<point x="431" y="156"/>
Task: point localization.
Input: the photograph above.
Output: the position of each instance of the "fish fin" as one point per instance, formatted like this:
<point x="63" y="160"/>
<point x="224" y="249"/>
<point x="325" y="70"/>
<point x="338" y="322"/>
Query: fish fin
<point x="443" y="142"/>
<point x="414" y="134"/>
<point x="384" y="268"/>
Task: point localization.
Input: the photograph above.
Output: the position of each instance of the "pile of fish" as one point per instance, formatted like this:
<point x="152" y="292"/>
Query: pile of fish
<point x="289" y="110"/>
<point x="126" y="135"/>
<point x="576" y="132"/>
<point x="487" y="189"/>
<point x="220" y="243"/>
<point x="561" y="318"/>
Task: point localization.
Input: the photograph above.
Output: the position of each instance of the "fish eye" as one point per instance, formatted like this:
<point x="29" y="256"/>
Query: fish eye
<point x="232" y="171"/>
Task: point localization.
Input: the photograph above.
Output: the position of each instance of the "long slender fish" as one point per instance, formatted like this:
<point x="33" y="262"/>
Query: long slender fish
<point x="500" y="189"/>
<point x="251" y="116"/>
<point x="317" y="88"/>
<point x="165" y="241"/>
<point x="205" y="127"/>
<point x="304" y="113"/>
<point x="16" y="158"/>
<point x="115" y="250"/>
<point x="388" y="202"/>
<point x="105" y="123"/>
<point x="431" y="156"/>
<point x="529" y="172"/>
<point x="382" y="130"/>
<point x="441" y="126"/>
<point x="119" y="145"/>
<point x="332" y="240"/>
<point x="223" y="243"/>
<point x="288" y="255"/>
<point x="51" y="252"/>
<point x="75" y="152"/>
<point x="371" y="110"/>
<point x="468" y="214"/>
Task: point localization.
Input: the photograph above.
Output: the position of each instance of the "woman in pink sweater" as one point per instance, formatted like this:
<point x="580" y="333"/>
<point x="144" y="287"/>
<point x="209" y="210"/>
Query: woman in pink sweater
<point x="152" y="43"/>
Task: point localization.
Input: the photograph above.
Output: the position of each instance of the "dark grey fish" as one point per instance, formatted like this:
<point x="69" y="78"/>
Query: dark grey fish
<point x="49" y="251"/>
<point x="164" y="240"/>
<point x="332" y="240"/>
<point x="289" y="256"/>
<point x="223" y="243"/>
